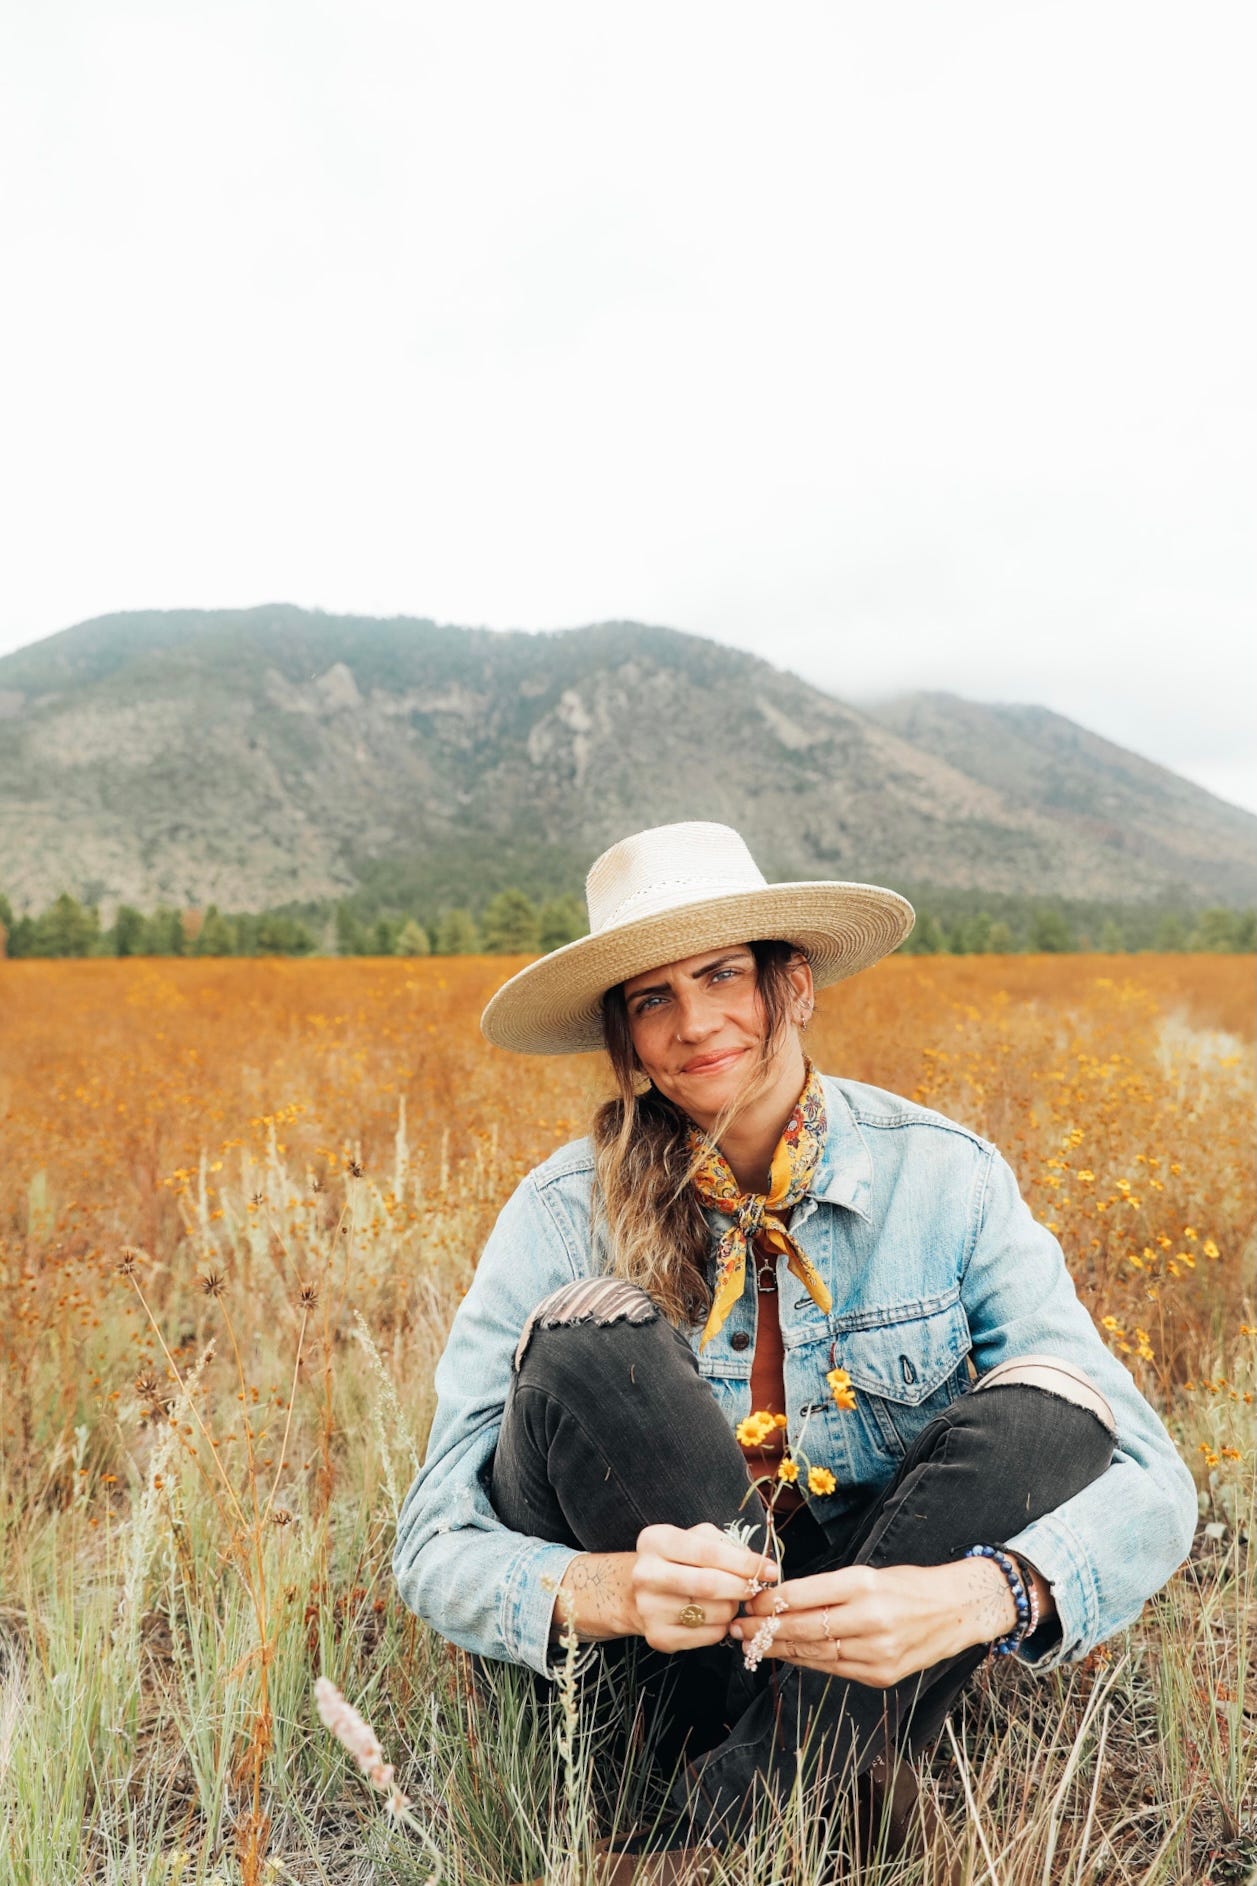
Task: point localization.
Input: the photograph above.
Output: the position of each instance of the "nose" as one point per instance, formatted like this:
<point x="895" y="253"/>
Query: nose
<point x="694" y="1019"/>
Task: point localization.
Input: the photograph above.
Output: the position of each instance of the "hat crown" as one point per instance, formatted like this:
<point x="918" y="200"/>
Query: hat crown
<point x="667" y="868"/>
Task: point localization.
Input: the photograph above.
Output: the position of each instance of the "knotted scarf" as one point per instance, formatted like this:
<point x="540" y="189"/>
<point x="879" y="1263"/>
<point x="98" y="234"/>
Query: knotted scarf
<point x="755" y="1214"/>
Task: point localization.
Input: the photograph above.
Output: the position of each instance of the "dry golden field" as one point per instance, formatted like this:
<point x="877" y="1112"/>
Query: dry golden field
<point x="239" y="1201"/>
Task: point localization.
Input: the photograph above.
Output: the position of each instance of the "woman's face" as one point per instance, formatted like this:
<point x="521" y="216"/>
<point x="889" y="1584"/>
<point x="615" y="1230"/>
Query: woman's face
<point x="698" y="1026"/>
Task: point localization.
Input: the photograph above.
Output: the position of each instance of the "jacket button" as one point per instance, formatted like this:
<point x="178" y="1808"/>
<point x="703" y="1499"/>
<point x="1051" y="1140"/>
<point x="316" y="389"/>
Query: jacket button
<point x="739" y="1340"/>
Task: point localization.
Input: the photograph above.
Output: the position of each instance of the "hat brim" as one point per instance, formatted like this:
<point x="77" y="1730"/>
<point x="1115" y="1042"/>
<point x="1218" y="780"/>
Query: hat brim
<point x="554" y="1006"/>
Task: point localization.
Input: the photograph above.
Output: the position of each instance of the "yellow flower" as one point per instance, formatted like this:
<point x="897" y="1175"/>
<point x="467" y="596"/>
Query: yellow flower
<point x="820" y="1480"/>
<point x="840" y="1386"/>
<point x="788" y="1470"/>
<point x="779" y="1421"/>
<point x="1110" y="1322"/>
<point x="1210" y="1249"/>
<point x="1086" y="1178"/>
<point x="755" y="1430"/>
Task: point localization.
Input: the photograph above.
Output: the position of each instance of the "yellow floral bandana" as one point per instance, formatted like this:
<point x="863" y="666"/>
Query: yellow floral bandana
<point x="755" y="1213"/>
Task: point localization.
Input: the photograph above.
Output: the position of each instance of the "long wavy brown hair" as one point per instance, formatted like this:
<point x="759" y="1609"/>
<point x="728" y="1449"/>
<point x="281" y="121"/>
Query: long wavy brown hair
<point x="657" y="1234"/>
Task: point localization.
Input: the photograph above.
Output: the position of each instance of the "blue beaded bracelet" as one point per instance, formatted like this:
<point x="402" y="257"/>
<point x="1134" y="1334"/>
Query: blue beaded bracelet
<point x="1026" y="1620"/>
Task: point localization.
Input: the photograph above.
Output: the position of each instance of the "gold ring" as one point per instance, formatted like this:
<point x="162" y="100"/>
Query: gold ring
<point x="692" y="1615"/>
<point x="825" y="1623"/>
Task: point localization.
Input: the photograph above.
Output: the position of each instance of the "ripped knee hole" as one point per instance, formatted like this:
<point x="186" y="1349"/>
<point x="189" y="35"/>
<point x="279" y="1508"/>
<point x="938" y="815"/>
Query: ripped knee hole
<point x="600" y="1301"/>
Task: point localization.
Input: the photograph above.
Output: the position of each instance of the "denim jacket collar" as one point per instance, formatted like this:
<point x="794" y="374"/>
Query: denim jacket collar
<point x="845" y="1173"/>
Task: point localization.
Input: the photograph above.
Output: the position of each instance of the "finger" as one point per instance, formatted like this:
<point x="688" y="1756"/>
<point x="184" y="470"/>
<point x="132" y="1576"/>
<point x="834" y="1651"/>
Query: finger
<point x="810" y="1660"/>
<point x="712" y="1547"/>
<point x="809" y="1627"/>
<point x="850" y="1586"/>
<point x="687" y="1582"/>
<point x="706" y="1546"/>
<point x="830" y="1588"/>
<point x="673" y="1638"/>
<point x="818" y="1653"/>
<point x="659" y="1614"/>
<point x="871" y="1662"/>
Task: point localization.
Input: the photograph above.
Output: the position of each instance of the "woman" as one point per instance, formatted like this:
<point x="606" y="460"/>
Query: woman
<point x="741" y="1235"/>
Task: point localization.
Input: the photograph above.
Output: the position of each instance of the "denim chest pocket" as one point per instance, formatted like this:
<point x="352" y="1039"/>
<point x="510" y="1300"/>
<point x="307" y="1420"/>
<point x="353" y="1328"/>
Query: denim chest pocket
<point x="906" y="1368"/>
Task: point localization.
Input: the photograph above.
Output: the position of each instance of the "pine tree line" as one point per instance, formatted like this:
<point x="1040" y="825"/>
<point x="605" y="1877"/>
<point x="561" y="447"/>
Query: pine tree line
<point x="1048" y="929"/>
<point x="512" y="923"/>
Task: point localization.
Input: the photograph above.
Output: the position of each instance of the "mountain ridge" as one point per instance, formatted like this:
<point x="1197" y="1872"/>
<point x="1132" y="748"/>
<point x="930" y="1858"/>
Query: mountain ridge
<point x="274" y="754"/>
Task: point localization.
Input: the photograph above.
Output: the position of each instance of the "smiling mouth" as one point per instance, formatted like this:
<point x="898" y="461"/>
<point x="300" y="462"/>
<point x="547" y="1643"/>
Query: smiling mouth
<point x="712" y="1063"/>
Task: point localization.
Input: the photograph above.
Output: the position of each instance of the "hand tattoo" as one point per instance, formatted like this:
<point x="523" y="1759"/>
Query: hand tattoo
<point x="987" y="1604"/>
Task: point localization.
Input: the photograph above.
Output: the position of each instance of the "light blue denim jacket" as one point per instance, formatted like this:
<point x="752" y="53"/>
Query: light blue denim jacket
<point x="934" y="1263"/>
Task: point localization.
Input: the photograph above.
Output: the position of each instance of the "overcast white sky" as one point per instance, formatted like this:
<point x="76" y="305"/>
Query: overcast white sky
<point x="909" y="345"/>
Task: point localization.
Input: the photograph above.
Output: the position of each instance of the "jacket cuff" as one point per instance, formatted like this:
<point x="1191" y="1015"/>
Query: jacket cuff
<point x="529" y="1589"/>
<point x="1053" y="1548"/>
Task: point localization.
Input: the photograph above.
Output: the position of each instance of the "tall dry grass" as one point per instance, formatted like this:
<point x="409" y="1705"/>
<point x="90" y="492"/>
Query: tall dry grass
<point x="238" y="1205"/>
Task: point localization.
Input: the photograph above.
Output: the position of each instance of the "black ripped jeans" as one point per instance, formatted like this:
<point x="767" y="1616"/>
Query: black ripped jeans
<point x="610" y="1428"/>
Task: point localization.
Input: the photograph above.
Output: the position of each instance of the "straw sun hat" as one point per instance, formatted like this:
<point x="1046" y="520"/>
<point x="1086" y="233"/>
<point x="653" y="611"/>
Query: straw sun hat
<point x="668" y="893"/>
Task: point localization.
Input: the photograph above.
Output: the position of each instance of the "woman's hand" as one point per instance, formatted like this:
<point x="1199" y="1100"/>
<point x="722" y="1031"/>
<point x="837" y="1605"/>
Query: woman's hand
<point x="877" y="1625"/>
<point x="698" y="1566"/>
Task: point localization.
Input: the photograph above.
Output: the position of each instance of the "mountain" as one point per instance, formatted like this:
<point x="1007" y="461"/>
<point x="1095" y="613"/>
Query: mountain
<point x="263" y="756"/>
<point x="1037" y="760"/>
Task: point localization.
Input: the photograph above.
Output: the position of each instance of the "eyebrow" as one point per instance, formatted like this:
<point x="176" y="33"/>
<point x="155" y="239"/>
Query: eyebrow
<point x="704" y="969"/>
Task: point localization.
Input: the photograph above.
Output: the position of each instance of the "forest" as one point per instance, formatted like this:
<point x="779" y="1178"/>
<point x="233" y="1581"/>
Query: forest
<point x="513" y="923"/>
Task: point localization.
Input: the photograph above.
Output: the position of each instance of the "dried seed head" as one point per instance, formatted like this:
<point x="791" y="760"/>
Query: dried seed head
<point x="355" y="1169"/>
<point x="282" y="1517"/>
<point x="147" y="1386"/>
<point x="308" y="1296"/>
<point x="212" y="1284"/>
<point x="359" y="1738"/>
<point x="316" y="1184"/>
<point x="259" y="1198"/>
<point x="128" y="1260"/>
